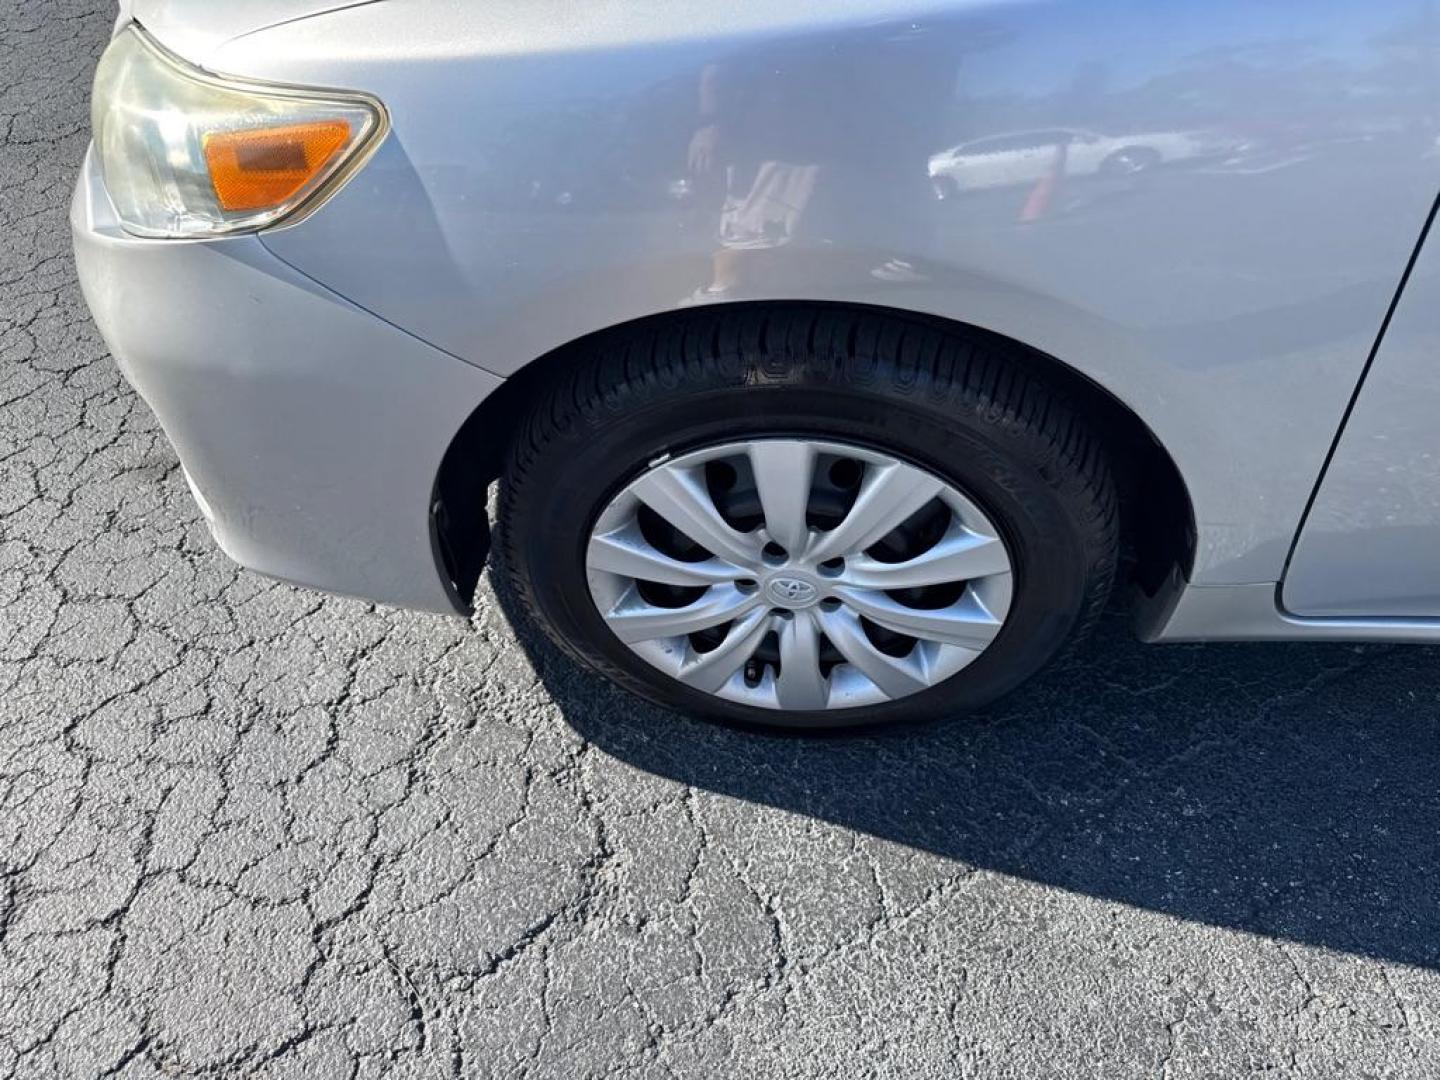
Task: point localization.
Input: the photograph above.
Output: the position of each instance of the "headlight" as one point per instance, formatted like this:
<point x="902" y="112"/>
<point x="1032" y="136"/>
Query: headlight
<point x="187" y="154"/>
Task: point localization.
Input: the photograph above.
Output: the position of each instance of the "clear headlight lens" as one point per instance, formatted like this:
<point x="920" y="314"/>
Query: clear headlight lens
<point x="186" y="154"/>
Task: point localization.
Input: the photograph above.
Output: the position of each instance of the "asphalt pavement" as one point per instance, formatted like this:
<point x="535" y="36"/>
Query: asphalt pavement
<point x="248" y="830"/>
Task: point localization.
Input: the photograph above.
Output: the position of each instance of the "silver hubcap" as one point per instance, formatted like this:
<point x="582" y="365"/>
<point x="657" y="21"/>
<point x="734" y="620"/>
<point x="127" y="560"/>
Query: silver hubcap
<point x="798" y="574"/>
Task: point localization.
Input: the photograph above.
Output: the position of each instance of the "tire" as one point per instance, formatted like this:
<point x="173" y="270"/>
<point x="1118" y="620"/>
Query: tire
<point x="964" y="407"/>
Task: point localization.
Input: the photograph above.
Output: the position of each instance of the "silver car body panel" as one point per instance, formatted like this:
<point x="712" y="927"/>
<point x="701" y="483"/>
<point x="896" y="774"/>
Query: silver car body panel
<point x="195" y="28"/>
<point x="556" y="168"/>
<point x="311" y="430"/>
<point x="1371" y="542"/>
<point x="1182" y="612"/>
<point x="528" y="194"/>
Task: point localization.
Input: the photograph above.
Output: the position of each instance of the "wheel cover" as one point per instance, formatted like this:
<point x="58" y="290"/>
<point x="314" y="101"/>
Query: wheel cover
<point x="798" y="574"/>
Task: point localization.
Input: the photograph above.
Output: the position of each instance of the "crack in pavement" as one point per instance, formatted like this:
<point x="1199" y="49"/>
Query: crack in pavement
<point x="249" y="830"/>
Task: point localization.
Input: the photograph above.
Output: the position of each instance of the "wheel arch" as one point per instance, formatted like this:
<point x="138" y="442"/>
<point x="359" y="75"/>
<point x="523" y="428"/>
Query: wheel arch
<point x="1155" y="543"/>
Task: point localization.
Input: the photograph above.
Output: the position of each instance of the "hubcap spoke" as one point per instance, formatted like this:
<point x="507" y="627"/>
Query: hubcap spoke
<point x="709" y="671"/>
<point x="965" y="623"/>
<point x="961" y="555"/>
<point x="895" y="676"/>
<point x="625" y="551"/>
<point x="801" y="685"/>
<point x="679" y="496"/>
<point x="888" y="495"/>
<point x="783" y="470"/>
<point x="638" y="621"/>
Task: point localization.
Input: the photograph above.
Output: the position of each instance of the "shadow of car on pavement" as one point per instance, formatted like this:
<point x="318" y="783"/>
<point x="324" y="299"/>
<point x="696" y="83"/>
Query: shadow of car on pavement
<point x="1287" y="790"/>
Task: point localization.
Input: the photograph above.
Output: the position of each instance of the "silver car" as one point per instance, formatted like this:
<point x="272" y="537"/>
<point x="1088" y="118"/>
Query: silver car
<point x="782" y="438"/>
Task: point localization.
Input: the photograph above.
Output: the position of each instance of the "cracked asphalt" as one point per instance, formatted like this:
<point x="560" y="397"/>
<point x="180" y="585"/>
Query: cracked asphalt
<point x="247" y="830"/>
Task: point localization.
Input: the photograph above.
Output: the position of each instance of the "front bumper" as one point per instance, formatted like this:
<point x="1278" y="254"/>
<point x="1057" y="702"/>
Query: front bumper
<point x="311" y="430"/>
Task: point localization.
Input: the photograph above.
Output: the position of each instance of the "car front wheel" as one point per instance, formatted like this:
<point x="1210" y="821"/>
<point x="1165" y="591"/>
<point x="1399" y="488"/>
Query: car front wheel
<point x="807" y="518"/>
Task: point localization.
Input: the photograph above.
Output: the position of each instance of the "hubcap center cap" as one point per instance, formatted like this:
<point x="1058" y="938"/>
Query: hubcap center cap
<point x="791" y="591"/>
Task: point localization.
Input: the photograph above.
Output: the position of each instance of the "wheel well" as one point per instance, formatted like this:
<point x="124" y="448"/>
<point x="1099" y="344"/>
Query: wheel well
<point x="1155" y="542"/>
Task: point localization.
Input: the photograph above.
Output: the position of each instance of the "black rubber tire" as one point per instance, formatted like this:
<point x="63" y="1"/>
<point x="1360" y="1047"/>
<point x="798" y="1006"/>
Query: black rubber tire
<point x="966" y="406"/>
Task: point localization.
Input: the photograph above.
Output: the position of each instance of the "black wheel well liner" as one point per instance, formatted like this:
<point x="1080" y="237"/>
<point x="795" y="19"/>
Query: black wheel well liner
<point x="1160" y="540"/>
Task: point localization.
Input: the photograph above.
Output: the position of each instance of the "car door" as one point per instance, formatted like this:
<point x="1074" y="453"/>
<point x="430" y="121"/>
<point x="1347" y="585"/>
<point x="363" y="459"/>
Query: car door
<point x="1005" y="159"/>
<point x="1370" y="544"/>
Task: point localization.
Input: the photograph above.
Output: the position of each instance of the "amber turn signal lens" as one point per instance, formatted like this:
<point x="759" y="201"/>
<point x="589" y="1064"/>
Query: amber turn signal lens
<point x="263" y="167"/>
